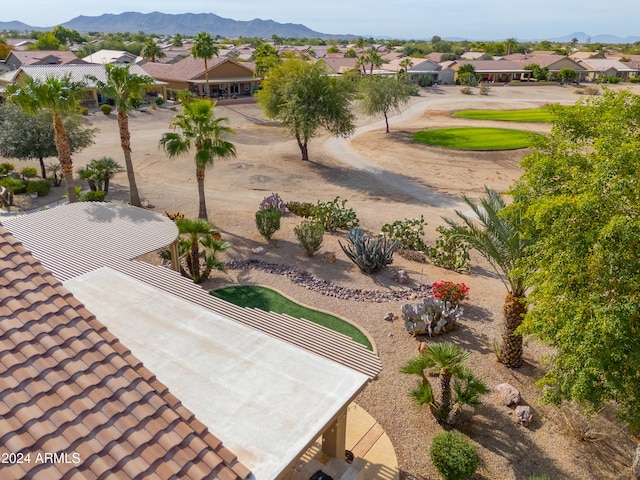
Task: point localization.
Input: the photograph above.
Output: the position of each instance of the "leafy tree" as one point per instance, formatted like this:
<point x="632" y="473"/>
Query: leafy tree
<point x="510" y="45"/>
<point x="125" y="89"/>
<point x="382" y="95"/>
<point x="204" y="47"/>
<point x="467" y="74"/>
<point x="350" y="53"/>
<point x="539" y="73"/>
<point x="66" y="36"/>
<point x="151" y="50"/>
<point x="177" y="40"/>
<point x="579" y="193"/>
<point x="304" y="98"/>
<point x="566" y="75"/>
<point x="499" y="239"/>
<point x="197" y="234"/>
<point x="199" y="128"/>
<point x="46" y="41"/>
<point x="25" y="136"/>
<point x="61" y="98"/>
<point x="447" y="361"/>
<point x="265" y="57"/>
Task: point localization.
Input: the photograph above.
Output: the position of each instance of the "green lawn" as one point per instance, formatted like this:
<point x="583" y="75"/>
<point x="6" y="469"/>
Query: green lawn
<point x="475" y="138"/>
<point x="537" y="115"/>
<point x="268" y="300"/>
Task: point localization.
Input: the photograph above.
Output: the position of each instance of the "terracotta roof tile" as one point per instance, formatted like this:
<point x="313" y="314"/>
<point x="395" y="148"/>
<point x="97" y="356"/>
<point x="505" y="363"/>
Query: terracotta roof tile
<point x="69" y="386"/>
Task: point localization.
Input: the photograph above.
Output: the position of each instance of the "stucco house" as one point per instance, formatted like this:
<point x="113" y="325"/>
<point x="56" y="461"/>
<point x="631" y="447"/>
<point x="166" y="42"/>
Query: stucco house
<point x="132" y="370"/>
<point x="20" y="58"/>
<point x="226" y="76"/>
<point x="555" y="63"/>
<point x="599" y="68"/>
<point x="111" y="56"/>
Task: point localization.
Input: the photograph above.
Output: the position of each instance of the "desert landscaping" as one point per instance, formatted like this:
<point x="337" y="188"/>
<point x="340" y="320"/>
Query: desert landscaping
<point x="384" y="177"/>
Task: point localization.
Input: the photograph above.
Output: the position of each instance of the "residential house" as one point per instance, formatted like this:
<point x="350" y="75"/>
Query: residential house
<point x="339" y="65"/>
<point x="601" y="68"/>
<point x="216" y="378"/>
<point x="111" y="56"/>
<point x="554" y="62"/>
<point x="20" y="58"/>
<point x="226" y="77"/>
<point x="80" y="73"/>
<point x="501" y="71"/>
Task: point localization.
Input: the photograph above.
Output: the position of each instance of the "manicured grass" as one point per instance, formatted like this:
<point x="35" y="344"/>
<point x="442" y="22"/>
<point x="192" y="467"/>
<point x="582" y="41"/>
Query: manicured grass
<point x="537" y="115"/>
<point x="473" y="138"/>
<point x="270" y="301"/>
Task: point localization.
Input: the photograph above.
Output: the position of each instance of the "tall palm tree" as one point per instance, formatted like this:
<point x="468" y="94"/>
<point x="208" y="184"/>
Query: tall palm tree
<point x="204" y="47"/>
<point x="405" y="64"/>
<point x="361" y="63"/>
<point x="447" y="361"/>
<point x="199" y="128"/>
<point x="151" y="51"/>
<point x="123" y="87"/>
<point x="498" y="238"/>
<point x="61" y="98"/>
<point x="375" y="60"/>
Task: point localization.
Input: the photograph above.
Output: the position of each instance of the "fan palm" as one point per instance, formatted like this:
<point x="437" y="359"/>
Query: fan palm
<point x="447" y="361"/>
<point x="199" y="128"/>
<point x="199" y="233"/>
<point x="151" y="51"/>
<point x="123" y="87"/>
<point x="61" y="98"/>
<point x="204" y="47"/>
<point x="498" y="238"/>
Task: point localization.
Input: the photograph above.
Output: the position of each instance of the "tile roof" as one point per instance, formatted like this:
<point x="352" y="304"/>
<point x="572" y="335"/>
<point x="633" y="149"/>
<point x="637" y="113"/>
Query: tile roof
<point x="77" y="73"/>
<point x="68" y="386"/>
<point x="188" y="68"/>
<point x="31" y="57"/>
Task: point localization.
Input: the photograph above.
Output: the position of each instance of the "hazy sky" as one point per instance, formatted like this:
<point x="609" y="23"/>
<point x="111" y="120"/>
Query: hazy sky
<point x="472" y="19"/>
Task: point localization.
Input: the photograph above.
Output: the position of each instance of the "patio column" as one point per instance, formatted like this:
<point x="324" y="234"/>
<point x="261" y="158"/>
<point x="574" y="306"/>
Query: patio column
<point x="334" y="438"/>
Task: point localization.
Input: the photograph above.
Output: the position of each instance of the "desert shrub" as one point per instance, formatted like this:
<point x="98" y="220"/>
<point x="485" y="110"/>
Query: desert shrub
<point x="467" y="90"/>
<point x="159" y="101"/>
<point x="174" y="215"/>
<point x="28" y="172"/>
<point x="334" y="215"/>
<point x="449" y="252"/>
<point x="589" y="90"/>
<point x="106" y="108"/>
<point x="425" y="80"/>
<point x="484" y="89"/>
<point x="41" y="187"/>
<point x="93" y="196"/>
<point x="84" y="111"/>
<point x="309" y="234"/>
<point x="370" y="253"/>
<point x="613" y="80"/>
<point x="273" y="201"/>
<point x="302" y="209"/>
<point x="14" y="186"/>
<point x="6" y="168"/>
<point x="268" y="222"/>
<point x="455" y="457"/>
<point x="408" y="233"/>
<point x="454" y="293"/>
<point x="634" y="80"/>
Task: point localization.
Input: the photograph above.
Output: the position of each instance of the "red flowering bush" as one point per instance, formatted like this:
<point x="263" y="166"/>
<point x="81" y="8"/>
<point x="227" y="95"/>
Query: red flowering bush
<point x="447" y="291"/>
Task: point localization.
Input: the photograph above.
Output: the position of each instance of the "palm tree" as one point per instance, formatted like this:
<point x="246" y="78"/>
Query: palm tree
<point x="405" y="64"/>
<point x="203" y="47"/>
<point x="61" y="98"/>
<point x="98" y="173"/>
<point x="361" y="63"/>
<point x="202" y="130"/>
<point x="199" y="233"/>
<point x="374" y="59"/>
<point x="151" y="51"/>
<point x="123" y="87"/>
<point x="447" y="361"/>
<point x="499" y="240"/>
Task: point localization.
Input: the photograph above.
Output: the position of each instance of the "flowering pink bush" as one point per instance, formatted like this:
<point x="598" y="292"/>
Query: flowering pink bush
<point x="447" y="291"/>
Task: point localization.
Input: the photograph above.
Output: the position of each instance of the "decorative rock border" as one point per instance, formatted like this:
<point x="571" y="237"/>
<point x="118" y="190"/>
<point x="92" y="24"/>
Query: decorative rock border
<point x="307" y="280"/>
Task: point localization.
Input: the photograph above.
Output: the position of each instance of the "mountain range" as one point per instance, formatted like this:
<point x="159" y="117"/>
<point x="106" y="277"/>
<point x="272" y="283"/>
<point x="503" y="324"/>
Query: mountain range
<point x="184" y="23"/>
<point x="192" y="23"/>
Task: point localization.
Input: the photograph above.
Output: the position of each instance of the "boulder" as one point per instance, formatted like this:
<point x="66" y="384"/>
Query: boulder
<point x="389" y="317"/>
<point x="523" y="415"/>
<point x="258" y="250"/>
<point x="329" y="257"/>
<point x="508" y="395"/>
<point x="401" y="277"/>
